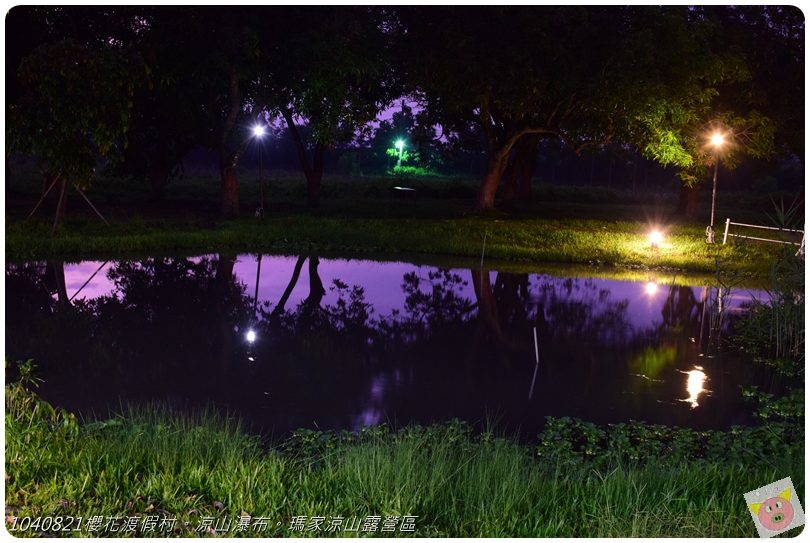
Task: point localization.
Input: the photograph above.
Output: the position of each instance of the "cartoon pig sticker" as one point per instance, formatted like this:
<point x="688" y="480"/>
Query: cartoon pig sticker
<point x="775" y="513"/>
<point x="775" y="508"/>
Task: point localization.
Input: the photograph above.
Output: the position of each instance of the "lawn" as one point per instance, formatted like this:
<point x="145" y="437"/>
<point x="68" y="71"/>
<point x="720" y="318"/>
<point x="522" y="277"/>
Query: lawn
<point x="593" y="227"/>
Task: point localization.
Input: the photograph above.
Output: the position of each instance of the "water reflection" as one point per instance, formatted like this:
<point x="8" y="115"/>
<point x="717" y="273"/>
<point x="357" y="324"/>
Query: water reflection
<point x="695" y="382"/>
<point x="300" y="341"/>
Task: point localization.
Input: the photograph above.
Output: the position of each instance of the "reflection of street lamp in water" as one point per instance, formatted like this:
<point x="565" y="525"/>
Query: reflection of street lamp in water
<point x="694" y="385"/>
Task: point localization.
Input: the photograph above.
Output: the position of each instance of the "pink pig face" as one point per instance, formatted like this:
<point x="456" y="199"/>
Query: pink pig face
<point x="775" y="514"/>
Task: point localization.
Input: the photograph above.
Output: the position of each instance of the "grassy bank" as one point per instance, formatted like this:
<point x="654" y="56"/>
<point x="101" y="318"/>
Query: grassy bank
<point x="590" y="226"/>
<point x="620" y="244"/>
<point x="635" y="480"/>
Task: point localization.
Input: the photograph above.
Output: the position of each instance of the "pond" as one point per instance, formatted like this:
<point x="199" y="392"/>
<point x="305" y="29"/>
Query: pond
<point x="287" y="342"/>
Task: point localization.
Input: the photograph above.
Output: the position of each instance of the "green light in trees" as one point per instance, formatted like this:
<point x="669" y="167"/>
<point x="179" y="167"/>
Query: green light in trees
<point x="400" y="145"/>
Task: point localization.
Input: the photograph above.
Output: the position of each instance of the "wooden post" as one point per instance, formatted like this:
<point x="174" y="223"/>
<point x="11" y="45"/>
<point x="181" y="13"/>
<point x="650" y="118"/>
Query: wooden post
<point x="43" y="197"/>
<point x="86" y="199"/>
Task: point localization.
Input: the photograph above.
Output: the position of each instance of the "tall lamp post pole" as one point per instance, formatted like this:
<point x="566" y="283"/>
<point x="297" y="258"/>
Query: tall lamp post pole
<point x="717" y="140"/>
<point x="400" y="145"/>
<point x="258" y="132"/>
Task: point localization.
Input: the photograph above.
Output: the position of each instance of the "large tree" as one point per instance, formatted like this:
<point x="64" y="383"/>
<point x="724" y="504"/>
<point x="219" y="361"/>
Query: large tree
<point x="583" y="75"/>
<point x="331" y="69"/>
<point x="72" y="111"/>
<point x="517" y="71"/>
<point x="733" y="87"/>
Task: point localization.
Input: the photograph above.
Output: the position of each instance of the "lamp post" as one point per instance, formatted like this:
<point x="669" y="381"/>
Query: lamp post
<point x="717" y="140"/>
<point x="258" y="132"/>
<point x="399" y="144"/>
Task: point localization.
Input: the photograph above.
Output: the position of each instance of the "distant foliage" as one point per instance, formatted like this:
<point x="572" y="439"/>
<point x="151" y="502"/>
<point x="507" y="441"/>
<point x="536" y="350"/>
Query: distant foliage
<point x="75" y="107"/>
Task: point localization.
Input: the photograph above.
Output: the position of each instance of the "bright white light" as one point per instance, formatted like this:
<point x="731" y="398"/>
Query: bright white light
<point x="250" y="336"/>
<point x="651" y="288"/>
<point x="258" y="131"/>
<point x="718" y="139"/>
<point x="694" y="385"/>
<point x="399" y="145"/>
<point x="656" y="238"/>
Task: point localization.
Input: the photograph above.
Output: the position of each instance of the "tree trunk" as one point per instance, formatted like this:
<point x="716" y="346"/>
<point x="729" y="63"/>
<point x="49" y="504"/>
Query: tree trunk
<point x="229" y="161"/>
<point x="688" y="201"/>
<point x="279" y="309"/>
<point x="57" y="270"/>
<point x="489" y="185"/>
<point x="314" y="176"/>
<point x="316" y="290"/>
<point x="525" y="163"/>
<point x="158" y="178"/>
<point x="509" y="189"/>
<point x="229" y="185"/>
<point x="314" y="173"/>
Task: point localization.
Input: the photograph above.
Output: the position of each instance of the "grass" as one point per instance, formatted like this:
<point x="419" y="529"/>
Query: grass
<point x="154" y="462"/>
<point x="591" y="227"/>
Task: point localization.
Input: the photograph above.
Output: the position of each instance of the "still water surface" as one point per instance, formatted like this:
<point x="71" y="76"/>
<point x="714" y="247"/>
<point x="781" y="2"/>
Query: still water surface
<point x="289" y="342"/>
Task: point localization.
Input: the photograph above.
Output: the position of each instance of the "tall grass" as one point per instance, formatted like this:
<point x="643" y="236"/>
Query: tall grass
<point x="773" y="331"/>
<point x="151" y="461"/>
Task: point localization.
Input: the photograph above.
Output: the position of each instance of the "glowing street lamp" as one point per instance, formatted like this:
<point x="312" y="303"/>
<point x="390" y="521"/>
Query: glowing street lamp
<point x="250" y="336"/>
<point x="717" y="140"/>
<point x="258" y="132"/>
<point x="656" y="238"/>
<point x="400" y="145"/>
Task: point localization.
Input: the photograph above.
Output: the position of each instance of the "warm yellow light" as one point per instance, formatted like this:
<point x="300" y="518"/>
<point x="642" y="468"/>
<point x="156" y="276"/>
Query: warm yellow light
<point x="718" y="139"/>
<point x="656" y="238"/>
<point x="651" y="288"/>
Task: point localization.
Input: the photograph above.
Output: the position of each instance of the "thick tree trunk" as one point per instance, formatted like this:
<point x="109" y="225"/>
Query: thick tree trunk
<point x="229" y="185"/>
<point x="158" y="179"/>
<point x="489" y="185"/>
<point x="57" y="270"/>
<point x="488" y="315"/>
<point x="521" y="166"/>
<point x="229" y="160"/>
<point x="316" y="290"/>
<point x="688" y="201"/>
<point x="313" y="173"/>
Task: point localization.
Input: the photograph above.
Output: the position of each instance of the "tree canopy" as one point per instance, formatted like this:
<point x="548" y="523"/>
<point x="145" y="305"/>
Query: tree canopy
<point x="147" y="84"/>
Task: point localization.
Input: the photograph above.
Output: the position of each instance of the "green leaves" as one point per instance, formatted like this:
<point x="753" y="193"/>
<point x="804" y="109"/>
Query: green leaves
<point x="75" y="107"/>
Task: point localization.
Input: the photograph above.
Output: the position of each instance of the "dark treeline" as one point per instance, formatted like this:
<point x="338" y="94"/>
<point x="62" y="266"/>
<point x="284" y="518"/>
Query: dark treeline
<point x="496" y="92"/>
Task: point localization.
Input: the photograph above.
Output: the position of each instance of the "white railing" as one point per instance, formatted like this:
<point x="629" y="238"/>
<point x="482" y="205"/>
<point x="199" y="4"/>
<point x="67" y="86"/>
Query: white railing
<point x="726" y="235"/>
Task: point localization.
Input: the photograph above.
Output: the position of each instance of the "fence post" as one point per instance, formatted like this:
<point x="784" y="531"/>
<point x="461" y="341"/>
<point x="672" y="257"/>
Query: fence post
<point x="725" y="234"/>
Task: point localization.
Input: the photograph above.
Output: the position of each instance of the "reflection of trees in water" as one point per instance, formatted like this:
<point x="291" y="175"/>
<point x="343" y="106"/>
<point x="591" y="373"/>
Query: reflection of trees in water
<point x="578" y="309"/>
<point x="169" y="318"/>
<point x="162" y="315"/>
